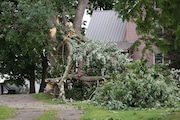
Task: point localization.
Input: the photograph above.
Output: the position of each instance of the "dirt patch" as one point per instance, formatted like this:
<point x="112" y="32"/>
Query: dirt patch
<point x="29" y="108"/>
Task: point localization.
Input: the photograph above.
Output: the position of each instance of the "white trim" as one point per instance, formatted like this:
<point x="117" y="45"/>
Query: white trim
<point x="154" y="57"/>
<point x="161" y="28"/>
<point x="155" y="6"/>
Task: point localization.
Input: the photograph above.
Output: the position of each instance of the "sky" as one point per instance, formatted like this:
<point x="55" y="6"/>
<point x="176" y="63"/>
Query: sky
<point x="87" y="18"/>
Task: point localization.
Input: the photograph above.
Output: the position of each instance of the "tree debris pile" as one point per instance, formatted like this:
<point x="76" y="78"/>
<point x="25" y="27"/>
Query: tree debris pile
<point x="85" y="60"/>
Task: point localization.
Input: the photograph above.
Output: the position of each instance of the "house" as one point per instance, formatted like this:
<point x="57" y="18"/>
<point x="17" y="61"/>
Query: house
<point x="107" y="26"/>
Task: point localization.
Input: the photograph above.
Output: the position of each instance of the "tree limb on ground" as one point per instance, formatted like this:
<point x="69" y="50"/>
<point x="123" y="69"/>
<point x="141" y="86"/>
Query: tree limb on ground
<point x="81" y="78"/>
<point x="67" y="70"/>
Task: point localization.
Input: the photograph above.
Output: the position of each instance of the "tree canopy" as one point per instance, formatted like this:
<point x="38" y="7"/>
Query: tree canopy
<point x="151" y="15"/>
<point x="39" y="34"/>
<point x="27" y="46"/>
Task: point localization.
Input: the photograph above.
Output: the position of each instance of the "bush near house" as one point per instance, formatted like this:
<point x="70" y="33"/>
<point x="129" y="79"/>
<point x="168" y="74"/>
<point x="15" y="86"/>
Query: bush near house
<point x="139" y="86"/>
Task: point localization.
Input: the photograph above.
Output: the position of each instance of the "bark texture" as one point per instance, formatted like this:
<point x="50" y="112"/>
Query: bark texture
<point x="67" y="70"/>
<point x="32" y="79"/>
<point x="67" y="41"/>
<point x="77" y="77"/>
<point x="79" y="15"/>
<point x="44" y="72"/>
<point x="78" y="22"/>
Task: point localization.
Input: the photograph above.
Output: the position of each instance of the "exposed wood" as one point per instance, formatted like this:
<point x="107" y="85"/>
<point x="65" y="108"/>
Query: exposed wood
<point x="70" y="33"/>
<point x="53" y="22"/>
<point x="87" y="80"/>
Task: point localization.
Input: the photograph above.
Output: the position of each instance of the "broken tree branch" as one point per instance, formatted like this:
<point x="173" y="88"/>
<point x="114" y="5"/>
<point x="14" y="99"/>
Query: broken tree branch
<point x="67" y="70"/>
<point x="81" y="78"/>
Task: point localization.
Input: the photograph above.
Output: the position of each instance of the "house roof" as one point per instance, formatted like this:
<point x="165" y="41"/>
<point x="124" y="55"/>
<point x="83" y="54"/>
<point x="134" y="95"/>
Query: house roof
<point x="106" y="26"/>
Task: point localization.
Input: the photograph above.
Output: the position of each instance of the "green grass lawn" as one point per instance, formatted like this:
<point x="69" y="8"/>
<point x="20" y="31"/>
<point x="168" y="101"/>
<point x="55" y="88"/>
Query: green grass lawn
<point x="6" y="112"/>
<point x="91" y="112"/>
<point x="99" y="113"/>
<point x="48" y="115"/>
<point x="46" y="98"/>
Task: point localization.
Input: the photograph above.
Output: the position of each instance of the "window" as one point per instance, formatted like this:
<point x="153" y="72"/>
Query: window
<point x="156" y="5"/>
<point x="158" y="58"/>
<point x="159" y="31"/>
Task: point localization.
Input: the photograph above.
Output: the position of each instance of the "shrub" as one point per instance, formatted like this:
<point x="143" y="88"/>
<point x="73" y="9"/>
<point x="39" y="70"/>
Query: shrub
<point x="99" y="59"/>
<point x="139" y="86"/>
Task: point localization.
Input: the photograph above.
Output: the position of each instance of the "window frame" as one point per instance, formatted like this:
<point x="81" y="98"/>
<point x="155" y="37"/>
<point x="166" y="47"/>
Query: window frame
<point x="156" y="6"/>
<point x="156" y="61"/>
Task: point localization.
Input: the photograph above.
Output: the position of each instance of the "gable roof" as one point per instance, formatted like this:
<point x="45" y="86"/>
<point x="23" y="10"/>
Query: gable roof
<point x="106" y="26"/>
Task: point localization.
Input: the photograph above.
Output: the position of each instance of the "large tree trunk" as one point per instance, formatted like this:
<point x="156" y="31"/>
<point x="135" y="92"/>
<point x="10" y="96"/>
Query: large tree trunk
<point x="44" y="72"/>
<point x="77" y="24"/>
<point x="32" y="79"/>
<point x="79" y="15"/>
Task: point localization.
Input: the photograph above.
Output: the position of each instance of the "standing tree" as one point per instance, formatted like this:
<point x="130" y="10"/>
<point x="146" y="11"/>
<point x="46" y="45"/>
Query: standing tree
<point x="98" y="59"/>
<point x="33" y="32"/>
<point x="24" y="36"/>
<point x="150" y="16"/>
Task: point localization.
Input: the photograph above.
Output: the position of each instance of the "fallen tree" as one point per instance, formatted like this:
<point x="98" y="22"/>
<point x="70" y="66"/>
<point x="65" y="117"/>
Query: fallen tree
<point x="99" y="61"/>
<point x="86" y="80"/>
<point x="81" y="78"/>
<point x="73" y="53"/>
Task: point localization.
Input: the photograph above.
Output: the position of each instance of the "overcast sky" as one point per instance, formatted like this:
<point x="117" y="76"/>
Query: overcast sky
<point x="86" y="18"/>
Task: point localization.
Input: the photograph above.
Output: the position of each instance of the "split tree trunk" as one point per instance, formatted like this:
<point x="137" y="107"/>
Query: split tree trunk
<point x="53" y="23"/>
<point x="77" y="26"/>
